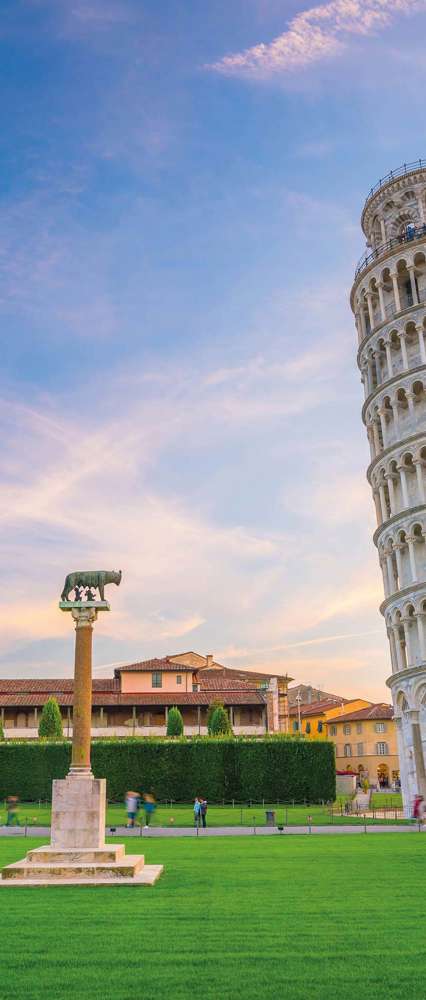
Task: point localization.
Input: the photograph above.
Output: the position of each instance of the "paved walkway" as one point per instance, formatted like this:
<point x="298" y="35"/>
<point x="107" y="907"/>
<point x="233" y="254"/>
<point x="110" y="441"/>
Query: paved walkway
<point x="221" y="831"/>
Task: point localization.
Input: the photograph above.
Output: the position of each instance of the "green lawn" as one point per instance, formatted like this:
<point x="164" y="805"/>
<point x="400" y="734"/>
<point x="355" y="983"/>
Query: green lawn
<point x="380" y="799"/>
<point x="32" y="814"/>
<point x="302" y="918"/>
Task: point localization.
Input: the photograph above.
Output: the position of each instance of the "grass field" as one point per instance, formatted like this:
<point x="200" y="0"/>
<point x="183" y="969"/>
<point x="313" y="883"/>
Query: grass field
<point x="182" y="815"/>
<point x="301" y="918"/>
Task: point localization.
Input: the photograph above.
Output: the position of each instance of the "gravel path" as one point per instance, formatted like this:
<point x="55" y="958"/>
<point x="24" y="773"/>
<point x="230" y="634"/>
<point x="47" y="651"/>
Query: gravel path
<point x="222" y="831"/>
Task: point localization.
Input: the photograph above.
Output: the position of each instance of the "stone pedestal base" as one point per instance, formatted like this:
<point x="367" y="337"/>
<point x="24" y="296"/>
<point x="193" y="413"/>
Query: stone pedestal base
<point x="77" y="854"/>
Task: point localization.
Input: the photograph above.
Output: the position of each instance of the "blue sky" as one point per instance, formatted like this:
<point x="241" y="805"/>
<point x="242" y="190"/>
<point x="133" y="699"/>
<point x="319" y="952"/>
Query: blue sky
<point x="181" y="186"/>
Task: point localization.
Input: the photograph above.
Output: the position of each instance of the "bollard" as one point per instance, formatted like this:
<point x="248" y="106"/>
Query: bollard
<point x="254" y="824"/>
<point x="365" y="823"/>
<point x="310" y="824"/>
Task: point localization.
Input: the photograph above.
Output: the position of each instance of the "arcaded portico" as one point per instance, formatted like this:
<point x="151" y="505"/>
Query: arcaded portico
<point x="388" y="299"/>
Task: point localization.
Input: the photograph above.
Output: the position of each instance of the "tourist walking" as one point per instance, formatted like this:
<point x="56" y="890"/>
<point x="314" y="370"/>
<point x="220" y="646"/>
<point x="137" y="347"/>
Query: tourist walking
<point x="12" y="805"/>
<point x="150" y="806"/>
<point x="132" y="807"/>
<point x="203" y="806"/>
<point x="197" y="811"/>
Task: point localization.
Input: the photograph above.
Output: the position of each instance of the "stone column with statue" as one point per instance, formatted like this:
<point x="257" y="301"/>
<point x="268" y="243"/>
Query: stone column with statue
<point x="77" y="853"/>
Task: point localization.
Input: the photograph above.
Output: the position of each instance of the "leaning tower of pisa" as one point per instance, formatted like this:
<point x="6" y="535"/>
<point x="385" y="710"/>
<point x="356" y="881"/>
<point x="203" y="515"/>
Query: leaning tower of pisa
<point x="388" y="299"/>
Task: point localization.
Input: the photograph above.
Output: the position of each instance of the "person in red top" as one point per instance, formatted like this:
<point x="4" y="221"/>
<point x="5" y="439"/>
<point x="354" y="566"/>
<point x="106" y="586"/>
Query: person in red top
<point x="418" y="808"/>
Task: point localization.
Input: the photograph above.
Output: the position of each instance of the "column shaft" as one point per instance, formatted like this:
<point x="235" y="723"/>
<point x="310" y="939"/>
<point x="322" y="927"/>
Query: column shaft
<point x="396" y="293"/>
<point x="82" y="711"/>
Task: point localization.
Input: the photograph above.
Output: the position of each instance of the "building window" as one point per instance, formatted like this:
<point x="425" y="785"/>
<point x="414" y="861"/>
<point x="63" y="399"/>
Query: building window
<point x="347" y="750"/>
<point x="346" y="729"/>
<point x="157" y="679"/>
<point x="320" y="726"/>
<point x="360" y="750"/>
<point x="382" y="749"/>
<point x="333" y="730"/>
<point x="380" y="727"/>
<point x="295" y="726"/>
<point x="179" y="679"/>
<point x="359" y="727"/>
<point x="308" y="728"/>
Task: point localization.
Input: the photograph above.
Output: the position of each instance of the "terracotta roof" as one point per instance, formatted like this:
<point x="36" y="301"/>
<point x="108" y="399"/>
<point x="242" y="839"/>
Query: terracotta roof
<point x="241" y="697"/>
<point x="379" y="711"/>
<point x="156" y="664"/>
<point x="60" y="685"/>
<point x="252" y="676"/>
<point x="316" y="708"/>
<point x="223" y="684"/>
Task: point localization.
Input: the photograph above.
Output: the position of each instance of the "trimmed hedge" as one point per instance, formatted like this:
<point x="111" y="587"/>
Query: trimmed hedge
<point x="270" y="768"/>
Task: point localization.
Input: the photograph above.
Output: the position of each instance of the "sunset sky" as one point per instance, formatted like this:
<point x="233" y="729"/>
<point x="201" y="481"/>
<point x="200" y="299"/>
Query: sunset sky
<point x="181" y="187"/>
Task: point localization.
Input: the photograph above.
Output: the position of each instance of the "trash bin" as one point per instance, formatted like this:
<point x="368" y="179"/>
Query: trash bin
<point x="270" y="817"/>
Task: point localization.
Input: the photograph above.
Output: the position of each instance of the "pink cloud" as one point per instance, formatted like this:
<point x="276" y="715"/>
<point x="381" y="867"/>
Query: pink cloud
<point x="315" y="34"/>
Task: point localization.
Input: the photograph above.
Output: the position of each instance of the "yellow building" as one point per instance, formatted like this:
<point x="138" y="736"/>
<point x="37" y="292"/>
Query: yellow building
<point x="311" y="719"/>
<point x="366" y="742"/>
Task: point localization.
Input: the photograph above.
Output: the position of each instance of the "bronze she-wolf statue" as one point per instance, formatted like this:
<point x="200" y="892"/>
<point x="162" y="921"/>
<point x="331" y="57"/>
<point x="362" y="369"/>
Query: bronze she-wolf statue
<point x="97" y="578"/>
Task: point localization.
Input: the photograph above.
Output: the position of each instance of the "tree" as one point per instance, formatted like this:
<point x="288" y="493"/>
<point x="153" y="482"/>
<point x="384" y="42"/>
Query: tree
<point x="210" y="713"/>
<point x="220" y="724"/>
<point x="174" y="723"/>
<point x="50" y="725"/>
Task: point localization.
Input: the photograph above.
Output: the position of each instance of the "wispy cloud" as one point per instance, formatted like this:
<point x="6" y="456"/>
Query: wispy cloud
<point x="315" y="34"/>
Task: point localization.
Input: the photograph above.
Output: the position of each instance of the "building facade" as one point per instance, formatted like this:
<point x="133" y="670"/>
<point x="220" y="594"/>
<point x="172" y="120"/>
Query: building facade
<point x="136" y="701"/>
<point x="366" y="743"/>
<point x="311" y="720"/>
<point x="388" y="299"/>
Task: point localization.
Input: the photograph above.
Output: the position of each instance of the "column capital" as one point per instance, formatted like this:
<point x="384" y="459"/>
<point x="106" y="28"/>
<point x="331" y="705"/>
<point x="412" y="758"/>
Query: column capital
<point x="84" y="617"/>
<point x="412" y="714"/>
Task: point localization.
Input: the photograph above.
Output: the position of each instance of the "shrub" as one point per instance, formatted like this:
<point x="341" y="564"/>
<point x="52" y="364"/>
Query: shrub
<point x="50" y="725"/>
<point x="1" y="732"/>
<point x="220" y="724"/>
<point x="174" y="723"/>
<point x="272" y="768"/>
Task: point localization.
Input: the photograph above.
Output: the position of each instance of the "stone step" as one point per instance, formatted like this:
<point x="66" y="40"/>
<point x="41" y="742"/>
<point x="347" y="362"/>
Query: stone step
<point x="76" y="855"/>
<point x="125" y="868"/>
<point x="148" y="875"/>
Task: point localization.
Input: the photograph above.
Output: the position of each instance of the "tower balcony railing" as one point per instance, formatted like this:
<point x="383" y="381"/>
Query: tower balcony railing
<point x="406" y="168"/>
<point x="415" y="233"/>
